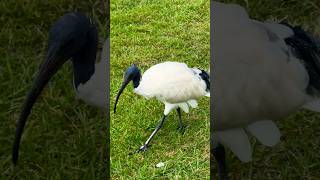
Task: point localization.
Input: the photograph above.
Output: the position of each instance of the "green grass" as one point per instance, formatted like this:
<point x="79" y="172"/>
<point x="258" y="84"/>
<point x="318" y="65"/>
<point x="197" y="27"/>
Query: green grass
<point x="147" y="33"/>
<point x="297" y="156"/>
<point x="64" y="138"/>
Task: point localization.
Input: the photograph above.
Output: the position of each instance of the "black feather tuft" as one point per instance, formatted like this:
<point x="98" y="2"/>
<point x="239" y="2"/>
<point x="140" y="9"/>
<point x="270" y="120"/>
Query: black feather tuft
<point x="204" y="75"/>
<point x="306" y="49"/>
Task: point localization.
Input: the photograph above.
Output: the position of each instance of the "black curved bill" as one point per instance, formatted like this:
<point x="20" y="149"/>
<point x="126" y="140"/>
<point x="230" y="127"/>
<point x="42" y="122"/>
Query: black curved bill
<point x="67" y="37"/>
<point x="46" y="71"/>
<point x="125" y="82"/>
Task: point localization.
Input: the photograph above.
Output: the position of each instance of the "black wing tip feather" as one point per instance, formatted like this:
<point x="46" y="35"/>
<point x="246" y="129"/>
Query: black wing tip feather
<point x="205" y="76"/>
<point x="306" y="49"/>
<point x="301" y="34"/>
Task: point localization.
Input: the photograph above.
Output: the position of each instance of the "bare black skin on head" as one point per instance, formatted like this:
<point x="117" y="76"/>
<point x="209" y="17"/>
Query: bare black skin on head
<point x="72" y="36"/>
<point x="132" y="74"/>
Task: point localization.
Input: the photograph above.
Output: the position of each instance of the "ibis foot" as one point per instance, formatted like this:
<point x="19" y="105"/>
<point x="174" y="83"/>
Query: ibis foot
<point x="181" y="128"/>
<point x="143" y="148"/>
<point x="146" y="144"/>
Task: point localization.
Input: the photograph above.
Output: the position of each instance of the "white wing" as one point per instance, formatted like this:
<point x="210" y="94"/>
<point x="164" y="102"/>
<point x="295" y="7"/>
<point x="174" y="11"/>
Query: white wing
<point x="238" y="142"/>
<point x="171" y="82"/>
<point x="256" y="75"/>
<point x="265" y="131"/>
<point x="313" y="105"/>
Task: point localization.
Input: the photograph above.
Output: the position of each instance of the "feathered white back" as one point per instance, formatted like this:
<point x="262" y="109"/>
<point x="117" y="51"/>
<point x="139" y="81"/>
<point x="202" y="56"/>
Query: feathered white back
<point x="171" y="82"/>
<point x="174" y="84"/>
<point x="256" y="79"/>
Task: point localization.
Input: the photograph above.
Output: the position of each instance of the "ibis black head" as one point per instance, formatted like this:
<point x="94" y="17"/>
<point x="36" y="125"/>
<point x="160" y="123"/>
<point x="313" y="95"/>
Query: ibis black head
<point x="132" y="74"/>
<point x="72" y="36"/>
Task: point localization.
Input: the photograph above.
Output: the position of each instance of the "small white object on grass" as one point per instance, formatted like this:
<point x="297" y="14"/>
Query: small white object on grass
<point x="160" y="164"/>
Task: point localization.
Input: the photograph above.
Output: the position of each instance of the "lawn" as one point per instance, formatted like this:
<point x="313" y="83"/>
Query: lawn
<point x="64" y="138"/>
<point x="147" y="33"/>
<point x="297" y="156"/>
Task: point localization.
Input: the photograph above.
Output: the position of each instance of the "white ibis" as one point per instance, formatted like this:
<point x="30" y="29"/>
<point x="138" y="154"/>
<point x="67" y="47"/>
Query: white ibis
<point x="263" y="71"/>
<point x="173" y="83"/>
<point x="75" y="37"/>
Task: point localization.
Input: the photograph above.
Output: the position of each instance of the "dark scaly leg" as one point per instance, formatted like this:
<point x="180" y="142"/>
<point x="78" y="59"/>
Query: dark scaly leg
<point x="180" y="120"/>
<point x="145" y="145"/>
<point x="219" y="154"/>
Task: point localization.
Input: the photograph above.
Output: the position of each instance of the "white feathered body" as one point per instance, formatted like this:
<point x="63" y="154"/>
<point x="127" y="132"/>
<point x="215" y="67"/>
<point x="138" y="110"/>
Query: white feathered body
<point x="174" y="84"/>
<point x="257" y="79"/>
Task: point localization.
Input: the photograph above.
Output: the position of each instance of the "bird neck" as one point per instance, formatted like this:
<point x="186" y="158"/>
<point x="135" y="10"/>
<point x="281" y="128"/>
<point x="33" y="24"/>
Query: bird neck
<point x="136" y="81"/>
<point x="133" y="74"/>
<point x="84" y="60"/>
<point x="83" y="72"/>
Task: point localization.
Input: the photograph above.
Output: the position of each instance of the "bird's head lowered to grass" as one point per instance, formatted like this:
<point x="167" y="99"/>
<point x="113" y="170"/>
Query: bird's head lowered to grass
<point x="132" y="74"/>
<point x="174" y="84"/>
<point x="73" y="37"/>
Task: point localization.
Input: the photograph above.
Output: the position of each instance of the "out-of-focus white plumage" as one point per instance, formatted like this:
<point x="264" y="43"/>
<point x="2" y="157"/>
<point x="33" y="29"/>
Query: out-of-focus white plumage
<point x="174" y="84"/>
<point x="256" y="77"/>
<point x="313" y="105"/>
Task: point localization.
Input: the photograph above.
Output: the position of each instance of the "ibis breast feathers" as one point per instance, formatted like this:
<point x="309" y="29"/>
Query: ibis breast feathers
<point x="171" y="82"/>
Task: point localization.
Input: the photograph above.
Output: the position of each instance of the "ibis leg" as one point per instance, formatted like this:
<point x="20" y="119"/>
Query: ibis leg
<point x="219" y="154"/>
<point x="145" y="145"/>
<point x="180" y="120"/>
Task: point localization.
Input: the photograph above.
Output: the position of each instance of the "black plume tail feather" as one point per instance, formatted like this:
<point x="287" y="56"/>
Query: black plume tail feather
<point x="306" y="48"/>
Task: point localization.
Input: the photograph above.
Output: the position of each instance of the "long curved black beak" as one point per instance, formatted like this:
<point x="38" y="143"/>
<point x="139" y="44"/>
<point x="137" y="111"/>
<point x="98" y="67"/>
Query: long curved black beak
<point x="125" y="82"/>
<point x="132" y="74"/>
<point x="67" y="39"/>
<point x="50" y="66"/>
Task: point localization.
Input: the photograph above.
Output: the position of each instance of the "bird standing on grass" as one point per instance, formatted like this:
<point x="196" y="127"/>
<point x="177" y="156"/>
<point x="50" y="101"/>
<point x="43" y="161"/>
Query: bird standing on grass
<point x="262" y="72"/>
<point x="173" y="83"/>
<point x="75" y="37"/>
